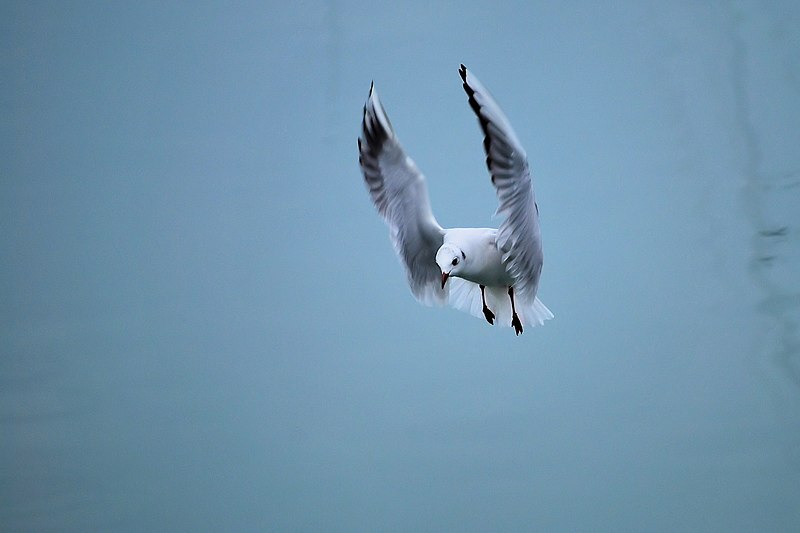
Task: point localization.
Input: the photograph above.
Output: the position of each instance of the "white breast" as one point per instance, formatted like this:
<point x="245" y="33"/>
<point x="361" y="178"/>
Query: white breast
<point x="484" y="263"/>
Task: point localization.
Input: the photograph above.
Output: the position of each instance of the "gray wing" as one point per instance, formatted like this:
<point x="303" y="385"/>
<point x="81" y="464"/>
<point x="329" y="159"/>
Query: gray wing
<point x="399" y="193"/>
<point x="518" y="237"/>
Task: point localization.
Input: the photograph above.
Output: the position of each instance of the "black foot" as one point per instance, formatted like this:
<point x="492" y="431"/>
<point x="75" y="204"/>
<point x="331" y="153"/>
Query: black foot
<point x="489" y="315"/>
<point x="517" y="324"/>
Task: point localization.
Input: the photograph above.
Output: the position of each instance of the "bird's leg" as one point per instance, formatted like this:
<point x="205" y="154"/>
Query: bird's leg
<point x="486" y="311"/>
<point x="514" y="318"/>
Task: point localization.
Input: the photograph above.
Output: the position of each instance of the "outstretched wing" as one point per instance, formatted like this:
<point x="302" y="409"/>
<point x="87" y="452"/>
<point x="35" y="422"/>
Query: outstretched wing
<point x="518" y="237"/>
<point x="399" y="193"/>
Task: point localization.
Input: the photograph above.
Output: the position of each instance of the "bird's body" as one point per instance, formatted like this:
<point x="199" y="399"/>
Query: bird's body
<point x="493" y="273"/>
<point x="484" y="262"/>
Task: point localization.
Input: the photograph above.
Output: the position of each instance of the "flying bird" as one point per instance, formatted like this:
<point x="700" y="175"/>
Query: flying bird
<point x="489" y="273"/>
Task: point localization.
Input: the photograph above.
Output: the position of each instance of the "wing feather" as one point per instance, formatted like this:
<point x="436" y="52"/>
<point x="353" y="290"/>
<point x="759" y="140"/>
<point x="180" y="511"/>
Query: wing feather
<point x="400" y="195"/>
<point x="519" y="237"/>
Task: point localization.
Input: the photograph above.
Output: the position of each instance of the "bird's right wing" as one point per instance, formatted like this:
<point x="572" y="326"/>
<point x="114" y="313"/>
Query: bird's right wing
<point x="399" y="193"/>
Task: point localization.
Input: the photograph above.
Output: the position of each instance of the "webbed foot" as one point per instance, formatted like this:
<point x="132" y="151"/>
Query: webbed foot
<point x="489" y="315"/>
<point x="517" y="324"/>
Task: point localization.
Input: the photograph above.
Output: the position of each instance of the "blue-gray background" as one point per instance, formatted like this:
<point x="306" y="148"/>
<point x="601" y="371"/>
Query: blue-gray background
<point x="204" y="327"/>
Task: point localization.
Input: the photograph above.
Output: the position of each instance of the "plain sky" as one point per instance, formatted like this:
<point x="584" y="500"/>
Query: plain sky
<point x="203" y="325"/>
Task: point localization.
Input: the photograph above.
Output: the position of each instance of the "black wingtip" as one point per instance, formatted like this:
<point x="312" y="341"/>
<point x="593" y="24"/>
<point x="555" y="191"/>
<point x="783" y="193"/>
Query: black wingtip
<point x="469" y="90"/>
<point x="371" y="87"/>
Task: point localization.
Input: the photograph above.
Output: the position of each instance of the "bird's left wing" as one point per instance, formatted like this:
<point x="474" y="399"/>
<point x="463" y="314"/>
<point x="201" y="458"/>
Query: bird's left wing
<point x="399" y="193"/>
<point x="518" y="237"/>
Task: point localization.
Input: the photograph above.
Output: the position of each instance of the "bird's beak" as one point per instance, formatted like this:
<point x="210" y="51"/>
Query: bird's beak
<point x="445" y="275"/>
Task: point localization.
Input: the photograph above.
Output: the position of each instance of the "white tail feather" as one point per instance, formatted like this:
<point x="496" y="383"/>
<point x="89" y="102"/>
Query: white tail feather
<point x="466" y="296"/>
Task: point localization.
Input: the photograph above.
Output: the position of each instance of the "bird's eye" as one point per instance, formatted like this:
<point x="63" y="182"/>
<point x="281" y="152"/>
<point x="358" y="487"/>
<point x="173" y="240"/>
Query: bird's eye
<point x="455" y="261"/>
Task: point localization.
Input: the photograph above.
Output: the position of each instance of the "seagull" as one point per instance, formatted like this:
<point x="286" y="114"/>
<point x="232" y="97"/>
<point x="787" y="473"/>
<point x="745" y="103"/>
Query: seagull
<point x="489" y="273"/>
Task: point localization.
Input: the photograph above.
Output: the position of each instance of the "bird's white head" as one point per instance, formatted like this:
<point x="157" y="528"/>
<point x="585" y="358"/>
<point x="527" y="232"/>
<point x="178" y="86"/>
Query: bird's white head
<point x="450" y="259"/>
